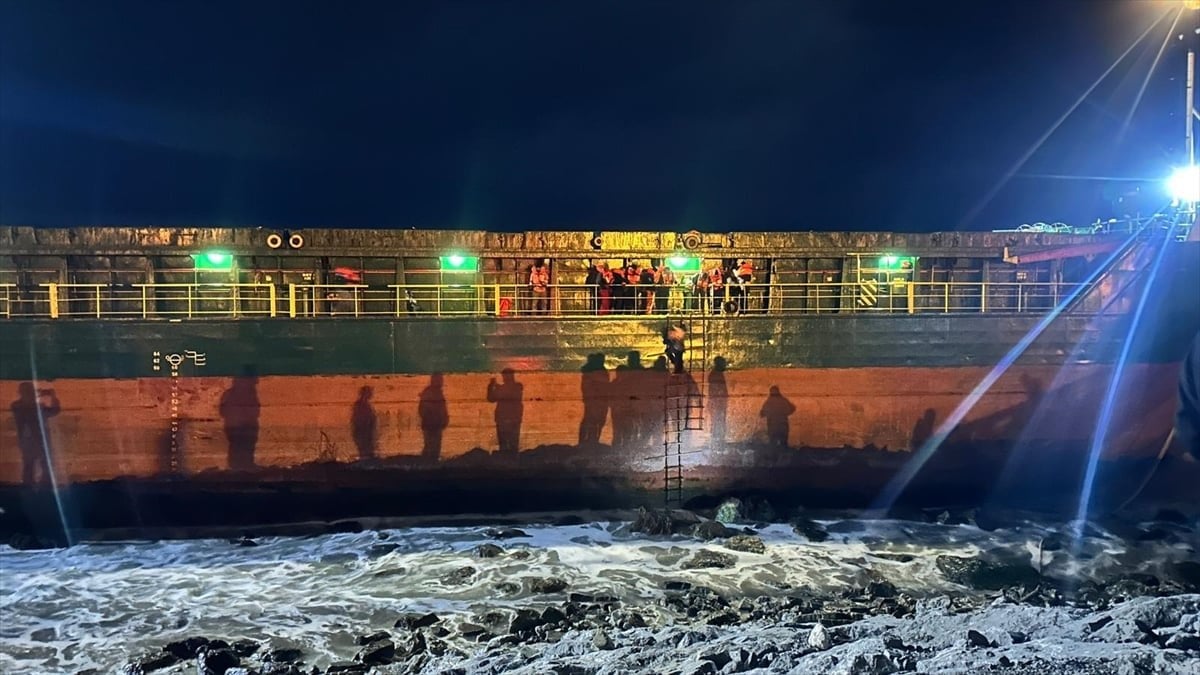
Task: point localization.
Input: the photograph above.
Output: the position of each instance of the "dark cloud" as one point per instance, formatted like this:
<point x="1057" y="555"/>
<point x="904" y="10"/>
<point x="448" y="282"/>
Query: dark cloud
<point x="524" y="115"/>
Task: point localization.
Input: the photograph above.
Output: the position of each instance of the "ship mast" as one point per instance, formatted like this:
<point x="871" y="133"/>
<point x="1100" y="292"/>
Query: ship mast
<point x="1191" y="114"/>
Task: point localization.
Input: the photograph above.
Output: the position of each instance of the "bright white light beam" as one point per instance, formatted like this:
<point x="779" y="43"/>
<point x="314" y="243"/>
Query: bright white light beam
<point x="1184" y="184"/>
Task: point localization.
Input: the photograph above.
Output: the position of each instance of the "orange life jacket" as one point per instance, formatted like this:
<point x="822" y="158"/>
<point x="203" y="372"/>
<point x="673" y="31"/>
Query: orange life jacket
<point x="539" y="278"/>
<point x="745" y="270"/>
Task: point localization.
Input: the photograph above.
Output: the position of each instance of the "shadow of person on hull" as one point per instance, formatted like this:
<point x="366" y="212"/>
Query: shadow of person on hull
<point x="31" y="414"/>
<point x="717" y="404"/>
<point x="594" y="385"/>
<point x="627" y="400"/>
<point x="509" y="397"/>
<point x="240" y="408"/>
<point x="364" y="424"/>
<point x="434" y="416"/>
<point x="776" y="410"/>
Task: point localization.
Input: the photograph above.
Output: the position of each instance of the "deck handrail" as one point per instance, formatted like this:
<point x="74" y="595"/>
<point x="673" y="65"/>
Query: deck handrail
<point x="518" y="301"/>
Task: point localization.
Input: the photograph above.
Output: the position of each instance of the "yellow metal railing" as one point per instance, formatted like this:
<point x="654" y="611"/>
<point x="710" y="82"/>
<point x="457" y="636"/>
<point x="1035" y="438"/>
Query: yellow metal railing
<point x="505" y="301"/>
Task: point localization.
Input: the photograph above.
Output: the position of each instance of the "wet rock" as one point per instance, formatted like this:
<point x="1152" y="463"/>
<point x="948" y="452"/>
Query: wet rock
<point x="759" y="510"/>
<point x="1018" y="637"/>
<point x="546" y="584"/>
<point x="186" y="649"/>
<point x="373" y="637"/>
<point x="895" y="557"/>
<point x="28" y="542"/>
<point x="415" y="621"/>
<point x="1171" y="516"/>
<point x="818" y="638"/>
<point x="711" y="529"/>
<point x="377" y="653"/>
<point x="380" y="550"/>
<point x="507" y="588"/>
<point x="664" y="522"/>
<point x="809" y="530"/>
<point x="600" y="640"/>
<point x="977" y="639"/>
<point x="725" y="618"/>
<point x="730" y="511"/>
<point x="1187" y="574"/>
<point x="280" y="669"/>
<point x="459" y="576"/>
<point x="676" y="585"/>
<point x="473" y="631"/>
<point x="1188" y="643"/>
<point x="244" y="647"/>
<point x="983" y="575"/>
<point x="348" y="668"/>
<point x="706" y="559"/>
<point x="552" y="615"/>
<point x="1099" y="623"/>
<point x="44" y="635"/>
<point x="525" y="621"/>
<point x="149" y="663"/>
<point x="216" y="661"/>
<point x="244" y="541"/>
<point x="284" y="655"/>
<point x="505" y="533"/>
<point x="488" y="550"/>
<point x="746" y="543"/>
<point x="881" y="589"/>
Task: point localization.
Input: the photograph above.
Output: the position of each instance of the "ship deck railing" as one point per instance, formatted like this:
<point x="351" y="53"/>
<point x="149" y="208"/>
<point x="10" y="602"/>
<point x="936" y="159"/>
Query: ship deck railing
<point x="176" y="301"/>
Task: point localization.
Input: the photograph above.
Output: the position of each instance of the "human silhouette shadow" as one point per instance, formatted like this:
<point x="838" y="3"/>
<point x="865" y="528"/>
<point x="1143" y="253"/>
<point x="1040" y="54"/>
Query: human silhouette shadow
<point x="718" y="402"/>
<point x="30" y="413"/>
<point x="923" y="430"/>
<point x="594" y="385"/>
<point x="776" y="409"/>
<point x="434" y="417"/>
<point x="364" y="424"/>
<point x="509" y="397"/>
<point x="240" y="409"/>
<point x="628" y="398"/>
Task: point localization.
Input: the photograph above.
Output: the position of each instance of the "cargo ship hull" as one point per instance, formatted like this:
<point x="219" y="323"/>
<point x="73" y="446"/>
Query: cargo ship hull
<point x="158" y="423"/>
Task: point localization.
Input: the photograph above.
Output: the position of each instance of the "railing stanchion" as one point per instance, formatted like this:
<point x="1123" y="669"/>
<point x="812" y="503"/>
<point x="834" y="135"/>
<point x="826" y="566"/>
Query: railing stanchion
<point x="52" y="289"/>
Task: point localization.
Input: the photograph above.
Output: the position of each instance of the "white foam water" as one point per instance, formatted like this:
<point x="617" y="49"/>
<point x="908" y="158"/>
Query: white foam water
<point x="98" y="605"/>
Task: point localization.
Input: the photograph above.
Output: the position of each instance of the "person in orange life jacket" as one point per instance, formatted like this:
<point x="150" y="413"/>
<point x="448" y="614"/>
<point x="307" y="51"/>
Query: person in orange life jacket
<point x="648" y="283"/>
<point x="742" y="276"/>
<point x="667" y="290"/>
<point x="539" y="281"/>
<point x="699" y="288"/>
<point x="633" y="294"/>
<point x="716" y="288"/>
<point x="673" y="337"/>
<point x="604" y="290"/>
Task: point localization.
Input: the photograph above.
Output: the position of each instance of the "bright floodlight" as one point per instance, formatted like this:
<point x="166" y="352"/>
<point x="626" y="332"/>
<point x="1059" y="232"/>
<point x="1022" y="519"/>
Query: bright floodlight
<point x="1184" y="184"/>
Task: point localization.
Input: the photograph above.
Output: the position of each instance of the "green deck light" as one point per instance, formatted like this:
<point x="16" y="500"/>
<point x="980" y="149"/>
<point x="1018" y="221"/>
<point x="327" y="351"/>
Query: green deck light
<point x="213" y="260"/>
<point x="679" y="263"/>
<point x="897" y="262"/>
<point x="459" y="263"/>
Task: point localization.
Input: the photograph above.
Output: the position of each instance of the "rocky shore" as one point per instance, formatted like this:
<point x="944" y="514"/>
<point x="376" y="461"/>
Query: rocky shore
<point x="723" y="597"/>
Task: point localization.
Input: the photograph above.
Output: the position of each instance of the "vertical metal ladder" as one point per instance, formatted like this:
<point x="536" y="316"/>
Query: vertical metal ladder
<point x="683" y="400"/>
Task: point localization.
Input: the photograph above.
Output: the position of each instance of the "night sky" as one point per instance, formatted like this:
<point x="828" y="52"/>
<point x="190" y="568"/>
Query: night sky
<point x="719" y="116"/>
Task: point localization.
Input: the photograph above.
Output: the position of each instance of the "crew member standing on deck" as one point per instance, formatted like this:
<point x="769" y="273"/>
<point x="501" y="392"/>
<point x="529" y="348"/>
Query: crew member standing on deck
<point x="539" y="282"/>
